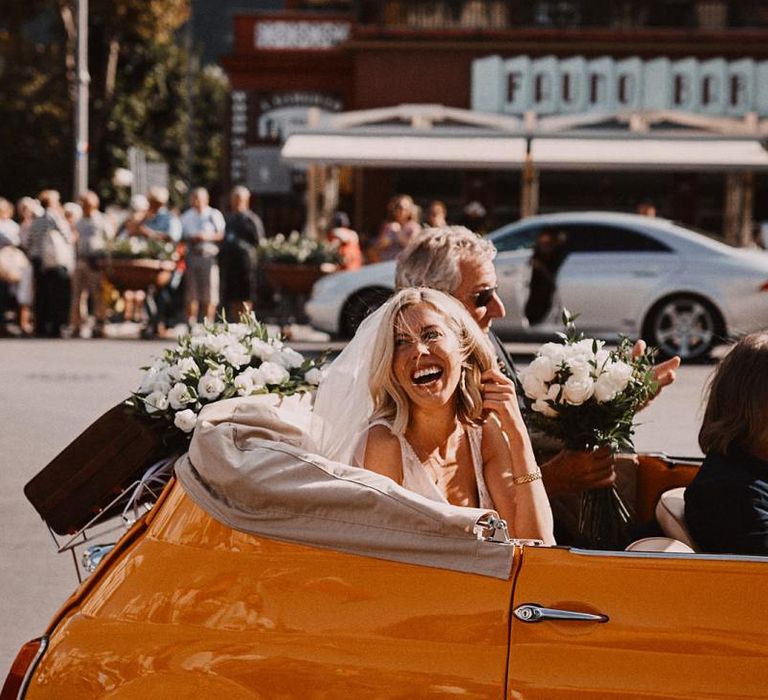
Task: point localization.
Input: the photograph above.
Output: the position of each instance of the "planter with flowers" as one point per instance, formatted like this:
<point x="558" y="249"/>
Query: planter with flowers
<point x="293" y="263"/>
<point x="138" y="263"/>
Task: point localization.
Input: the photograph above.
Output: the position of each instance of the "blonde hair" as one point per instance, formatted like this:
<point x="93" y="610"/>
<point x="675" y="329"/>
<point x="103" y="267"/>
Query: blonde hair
<point x="737" y="408"/>
<point x="389" y="398"/>
<point x="432" y="257"/>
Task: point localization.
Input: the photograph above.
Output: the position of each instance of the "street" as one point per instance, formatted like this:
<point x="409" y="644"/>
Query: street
<point x="52" y="390"/>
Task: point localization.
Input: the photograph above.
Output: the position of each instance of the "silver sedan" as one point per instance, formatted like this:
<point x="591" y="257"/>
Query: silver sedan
<point x="621" y="273"/>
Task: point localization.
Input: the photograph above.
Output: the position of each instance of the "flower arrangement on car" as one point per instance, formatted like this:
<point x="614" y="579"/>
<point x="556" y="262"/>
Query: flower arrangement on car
<point x="214" y="362"/>
<point x="586" y="396"/>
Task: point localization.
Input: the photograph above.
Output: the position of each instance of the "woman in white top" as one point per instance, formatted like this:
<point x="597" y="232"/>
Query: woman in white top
<point x="446" y="423"/>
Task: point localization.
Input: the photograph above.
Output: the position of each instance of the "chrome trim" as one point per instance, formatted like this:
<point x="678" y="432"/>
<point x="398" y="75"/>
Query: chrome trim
<point x="733" y="558"/>
<point x="93" y="555"/>
<point x="532" y="612"/>
<point x="32" y="667"/>
<point x="684" y="461"/>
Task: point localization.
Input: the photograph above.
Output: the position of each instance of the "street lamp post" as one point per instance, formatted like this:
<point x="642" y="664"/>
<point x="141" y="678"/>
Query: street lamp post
<point x="81" y="102"/>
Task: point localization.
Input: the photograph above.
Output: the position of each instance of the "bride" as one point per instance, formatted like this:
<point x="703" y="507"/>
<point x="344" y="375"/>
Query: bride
<point x="416" y="396"/>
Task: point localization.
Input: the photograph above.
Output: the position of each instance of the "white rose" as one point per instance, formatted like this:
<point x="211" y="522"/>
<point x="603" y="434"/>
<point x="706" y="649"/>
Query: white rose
<point x="554" y="351"/>
<point x="185" y="420"/>
<point x="314" y="376"/>
<point x="262" y="350"/>
<point x="185" y="366"/>
<point x="541" y="406"/>
<point x="210" y="386"/>
<point x="156" y="378"/>
<point x="533" y="387"/>
<point x="244" y="383"/>
<point x="612" y="381"/>
<point x="543" y="368"/>
<point x="273" y="373"/>
<point x="586" y="347"/>
<point x="236" y="355"/>
<point x="239" y="330"/>
<point x="580" y="367"/>
<point x="601" y="358"/>
<point x="605" y="389"/>
<point x="288" y="358"/>
<point x="179" y="396"/>
<point x="578" y="389"/>
<point x="157" y="401"/>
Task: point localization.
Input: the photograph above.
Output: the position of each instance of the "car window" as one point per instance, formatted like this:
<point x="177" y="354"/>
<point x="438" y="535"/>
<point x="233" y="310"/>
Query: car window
<point x="599" y="238"/>
<point x="517" y="239"/>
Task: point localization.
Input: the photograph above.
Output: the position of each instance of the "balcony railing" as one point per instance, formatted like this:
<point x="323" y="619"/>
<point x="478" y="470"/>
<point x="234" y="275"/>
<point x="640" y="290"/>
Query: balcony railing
<point x="447" y="15"/>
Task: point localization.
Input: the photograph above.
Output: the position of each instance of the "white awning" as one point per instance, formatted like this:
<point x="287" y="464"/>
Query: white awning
<point x="491" y="152"/>
<point x="648" y="154"/>
<point x="499" y="151"/>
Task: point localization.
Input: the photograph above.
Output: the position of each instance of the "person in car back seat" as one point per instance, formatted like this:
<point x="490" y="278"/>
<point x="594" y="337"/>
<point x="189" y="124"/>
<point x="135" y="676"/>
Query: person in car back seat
<point x="726" y="504"/>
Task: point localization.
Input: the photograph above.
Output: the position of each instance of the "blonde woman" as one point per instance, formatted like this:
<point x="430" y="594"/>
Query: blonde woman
<point x="446" y="423"/>
<point x="401" y="225"/>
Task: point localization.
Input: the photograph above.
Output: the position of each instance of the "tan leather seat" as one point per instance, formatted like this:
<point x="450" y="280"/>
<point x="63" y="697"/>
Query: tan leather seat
<point x="659" y="544"/>
<point x="670" y="514"/>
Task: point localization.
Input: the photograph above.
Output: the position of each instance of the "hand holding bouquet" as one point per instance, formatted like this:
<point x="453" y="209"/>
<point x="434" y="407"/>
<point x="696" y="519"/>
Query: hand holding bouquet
<point x="586" y="396"/>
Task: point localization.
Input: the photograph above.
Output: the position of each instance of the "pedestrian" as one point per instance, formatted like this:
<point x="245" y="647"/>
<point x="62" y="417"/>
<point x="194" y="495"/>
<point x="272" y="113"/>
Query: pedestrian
<point x="202" y="230"/>
<point x="397" y="231"/>
<point x="52" y="255"/>
<point x="91" y="234"/>
<point x="436" y="214"/>
<point x="347" y="241"/>
<point x="238" y="257"/>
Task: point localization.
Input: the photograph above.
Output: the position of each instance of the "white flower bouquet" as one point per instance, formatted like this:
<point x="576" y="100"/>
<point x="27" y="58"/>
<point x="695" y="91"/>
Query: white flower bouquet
<point x="587" y="396"/>
<point x="215" y="362"/>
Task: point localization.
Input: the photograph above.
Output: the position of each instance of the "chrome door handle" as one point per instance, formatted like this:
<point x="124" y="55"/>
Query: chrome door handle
<point x="530" y="612"/>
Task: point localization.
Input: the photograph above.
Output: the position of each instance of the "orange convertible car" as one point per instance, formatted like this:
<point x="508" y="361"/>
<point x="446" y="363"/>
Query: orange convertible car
<point x="264" y="571"/>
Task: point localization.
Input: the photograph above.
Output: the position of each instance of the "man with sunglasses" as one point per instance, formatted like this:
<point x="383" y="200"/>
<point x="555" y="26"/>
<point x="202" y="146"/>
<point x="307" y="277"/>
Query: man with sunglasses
<point x="455" y="260"/>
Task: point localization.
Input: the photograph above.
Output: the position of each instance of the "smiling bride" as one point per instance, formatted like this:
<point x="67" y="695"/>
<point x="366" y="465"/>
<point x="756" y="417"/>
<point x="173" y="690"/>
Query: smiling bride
<point x="441" y="420"/>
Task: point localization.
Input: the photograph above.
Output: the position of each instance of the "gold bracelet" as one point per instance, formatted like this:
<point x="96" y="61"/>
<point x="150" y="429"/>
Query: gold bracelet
<point x="527" y="478"/>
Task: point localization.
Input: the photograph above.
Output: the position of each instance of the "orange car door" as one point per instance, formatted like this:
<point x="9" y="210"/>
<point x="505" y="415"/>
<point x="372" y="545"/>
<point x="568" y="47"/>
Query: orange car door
<point x="676" y="626"/>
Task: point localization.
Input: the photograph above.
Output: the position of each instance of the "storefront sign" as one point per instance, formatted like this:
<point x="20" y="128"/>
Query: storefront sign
<point x="300" y="34"/>
<point x="260" y="122"/>
<point x="551" y="85"/>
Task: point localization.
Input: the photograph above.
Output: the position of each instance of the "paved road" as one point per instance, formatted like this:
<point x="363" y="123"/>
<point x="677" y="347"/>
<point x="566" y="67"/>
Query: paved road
<point x="51" y="390"/>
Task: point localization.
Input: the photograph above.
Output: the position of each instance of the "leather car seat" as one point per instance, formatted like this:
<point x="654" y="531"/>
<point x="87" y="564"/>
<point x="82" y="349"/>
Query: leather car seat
<point x="670" y="514"/>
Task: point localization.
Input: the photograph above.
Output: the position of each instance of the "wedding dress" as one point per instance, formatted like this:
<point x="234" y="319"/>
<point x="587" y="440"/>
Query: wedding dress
<point x="416" y="473"/>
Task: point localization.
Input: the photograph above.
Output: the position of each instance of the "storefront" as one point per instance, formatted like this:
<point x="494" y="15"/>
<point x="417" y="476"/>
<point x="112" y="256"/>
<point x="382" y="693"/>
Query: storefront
<point x="287" y="67"/>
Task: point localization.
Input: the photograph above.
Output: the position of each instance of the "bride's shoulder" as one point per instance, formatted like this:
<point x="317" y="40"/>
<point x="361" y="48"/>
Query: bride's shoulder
<point x="382" y="452"/>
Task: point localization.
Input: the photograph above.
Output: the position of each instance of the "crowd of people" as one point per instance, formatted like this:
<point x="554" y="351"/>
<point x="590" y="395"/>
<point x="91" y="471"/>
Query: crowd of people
<point x="52" y="259"/>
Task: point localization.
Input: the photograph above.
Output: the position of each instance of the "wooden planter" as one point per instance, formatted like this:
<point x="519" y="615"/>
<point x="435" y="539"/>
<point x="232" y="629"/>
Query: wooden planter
<point x="138" y="274"/>
<point x="296" y="279"/>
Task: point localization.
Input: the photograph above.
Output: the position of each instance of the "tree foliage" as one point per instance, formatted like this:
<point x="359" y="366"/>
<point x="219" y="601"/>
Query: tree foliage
<point x="147" y="90"/>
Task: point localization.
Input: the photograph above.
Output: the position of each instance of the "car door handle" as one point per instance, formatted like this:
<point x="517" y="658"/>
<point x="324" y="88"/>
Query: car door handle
<point x="530" y="612"/>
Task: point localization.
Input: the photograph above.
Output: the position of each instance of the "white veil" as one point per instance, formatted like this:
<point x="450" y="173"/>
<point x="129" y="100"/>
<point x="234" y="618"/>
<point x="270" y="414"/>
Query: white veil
<point x="343" y="403"/>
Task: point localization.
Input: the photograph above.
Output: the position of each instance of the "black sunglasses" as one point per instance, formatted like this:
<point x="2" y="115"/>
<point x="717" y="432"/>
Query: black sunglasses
<point x="484" y="296"/>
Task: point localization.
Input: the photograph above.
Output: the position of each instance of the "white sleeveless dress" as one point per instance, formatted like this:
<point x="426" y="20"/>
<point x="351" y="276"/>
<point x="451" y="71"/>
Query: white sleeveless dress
<point x="415" y="476"/>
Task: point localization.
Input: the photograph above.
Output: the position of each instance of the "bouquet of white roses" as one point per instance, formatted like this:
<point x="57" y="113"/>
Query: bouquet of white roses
<point x="215" y="362"/>
<point x="586" y="396"/>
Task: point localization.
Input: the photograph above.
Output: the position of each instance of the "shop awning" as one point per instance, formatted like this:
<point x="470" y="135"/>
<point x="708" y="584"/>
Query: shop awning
<point x="644" y="153"/>
<point x="379" y="150"/>
<point x="489" y="150"/>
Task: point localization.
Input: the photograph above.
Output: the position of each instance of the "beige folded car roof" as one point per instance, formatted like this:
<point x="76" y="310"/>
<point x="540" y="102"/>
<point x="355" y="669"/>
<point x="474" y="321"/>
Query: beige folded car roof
<point x="251" y="465"/>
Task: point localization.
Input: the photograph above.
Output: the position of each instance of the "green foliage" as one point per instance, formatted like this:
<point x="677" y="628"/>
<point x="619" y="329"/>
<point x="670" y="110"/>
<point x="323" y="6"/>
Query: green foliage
<point x="147" y="90"/>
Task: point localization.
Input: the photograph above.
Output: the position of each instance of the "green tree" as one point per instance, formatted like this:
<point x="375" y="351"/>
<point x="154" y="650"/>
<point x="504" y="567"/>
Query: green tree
<point x="143" y="87"/>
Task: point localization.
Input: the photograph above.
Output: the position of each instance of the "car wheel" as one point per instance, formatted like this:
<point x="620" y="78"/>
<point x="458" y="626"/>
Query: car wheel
<point x="358" y="306"/>
<point x="684" y="325"/>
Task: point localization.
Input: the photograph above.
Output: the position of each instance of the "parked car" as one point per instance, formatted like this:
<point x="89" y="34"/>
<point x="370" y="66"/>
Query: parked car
<point x="264" y="571"/>
<point x="622" y="274"/>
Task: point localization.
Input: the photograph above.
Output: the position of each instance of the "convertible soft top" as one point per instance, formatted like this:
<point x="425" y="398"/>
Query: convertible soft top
<point x="252" y="466"/>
